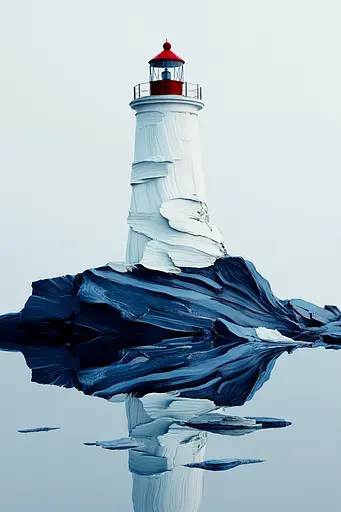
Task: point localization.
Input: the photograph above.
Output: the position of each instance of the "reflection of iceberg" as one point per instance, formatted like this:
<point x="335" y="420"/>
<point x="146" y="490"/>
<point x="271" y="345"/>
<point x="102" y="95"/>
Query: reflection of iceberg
<point x="195" y="367"/>
<point x="233" y="425"/>
<point x="37" y="429"/>
<point x="222" y="464"/>
<point x="116" y="444"/>
<point x="167" y="466"/>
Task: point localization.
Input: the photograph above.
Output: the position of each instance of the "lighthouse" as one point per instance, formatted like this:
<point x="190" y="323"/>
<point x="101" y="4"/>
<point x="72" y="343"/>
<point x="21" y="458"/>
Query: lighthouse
<point x="169" y="223"/>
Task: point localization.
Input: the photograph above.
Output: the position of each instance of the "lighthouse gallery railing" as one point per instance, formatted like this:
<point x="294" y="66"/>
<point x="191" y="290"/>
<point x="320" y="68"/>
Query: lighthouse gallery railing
<point x="189" y="90"/>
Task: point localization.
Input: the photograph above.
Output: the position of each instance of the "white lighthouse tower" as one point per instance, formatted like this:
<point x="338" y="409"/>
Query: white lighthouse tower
<point x="169" y="225"/>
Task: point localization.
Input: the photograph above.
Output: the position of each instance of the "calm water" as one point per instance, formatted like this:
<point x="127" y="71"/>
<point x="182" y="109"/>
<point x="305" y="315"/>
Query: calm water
<point x="54" y="471"/>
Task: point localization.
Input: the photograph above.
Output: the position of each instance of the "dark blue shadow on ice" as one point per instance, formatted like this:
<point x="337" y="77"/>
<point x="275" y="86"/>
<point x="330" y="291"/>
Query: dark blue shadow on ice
<point x="205" y="333"/>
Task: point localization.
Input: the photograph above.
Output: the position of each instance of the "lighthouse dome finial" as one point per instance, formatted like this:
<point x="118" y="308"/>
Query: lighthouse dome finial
<point x="167" y="55"/>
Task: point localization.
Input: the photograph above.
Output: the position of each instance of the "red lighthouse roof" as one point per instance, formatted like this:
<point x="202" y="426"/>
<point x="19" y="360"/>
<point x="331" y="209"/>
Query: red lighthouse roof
<point x="167" y="55"/>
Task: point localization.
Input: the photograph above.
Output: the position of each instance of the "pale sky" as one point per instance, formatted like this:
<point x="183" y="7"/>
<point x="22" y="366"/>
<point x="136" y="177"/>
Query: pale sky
<point x="271" y="78"/>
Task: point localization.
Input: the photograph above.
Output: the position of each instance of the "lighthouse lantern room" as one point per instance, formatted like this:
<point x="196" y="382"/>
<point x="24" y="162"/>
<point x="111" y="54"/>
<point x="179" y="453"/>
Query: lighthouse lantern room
<point x="166" y="77"/>
<point x="166" y="72"/>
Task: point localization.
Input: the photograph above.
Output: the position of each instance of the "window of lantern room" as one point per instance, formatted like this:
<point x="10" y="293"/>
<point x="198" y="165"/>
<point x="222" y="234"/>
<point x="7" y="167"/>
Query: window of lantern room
<point x="166" y="70"/>
<point x="166" y="77"/>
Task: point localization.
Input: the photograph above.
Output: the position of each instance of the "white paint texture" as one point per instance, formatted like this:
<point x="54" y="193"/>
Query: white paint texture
<point x="266" y="334"/>
<point x="169" y="224"/>
<point x="161" y="483"/>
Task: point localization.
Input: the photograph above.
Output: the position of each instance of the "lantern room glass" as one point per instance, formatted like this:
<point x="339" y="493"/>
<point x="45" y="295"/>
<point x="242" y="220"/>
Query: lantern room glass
<point x="166" y="70"/>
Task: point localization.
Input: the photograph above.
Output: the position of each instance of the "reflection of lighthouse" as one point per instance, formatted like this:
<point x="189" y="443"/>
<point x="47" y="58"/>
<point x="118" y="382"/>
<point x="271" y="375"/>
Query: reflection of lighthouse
<point x="169" y="225"/>
<point x="161" y="483"/>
